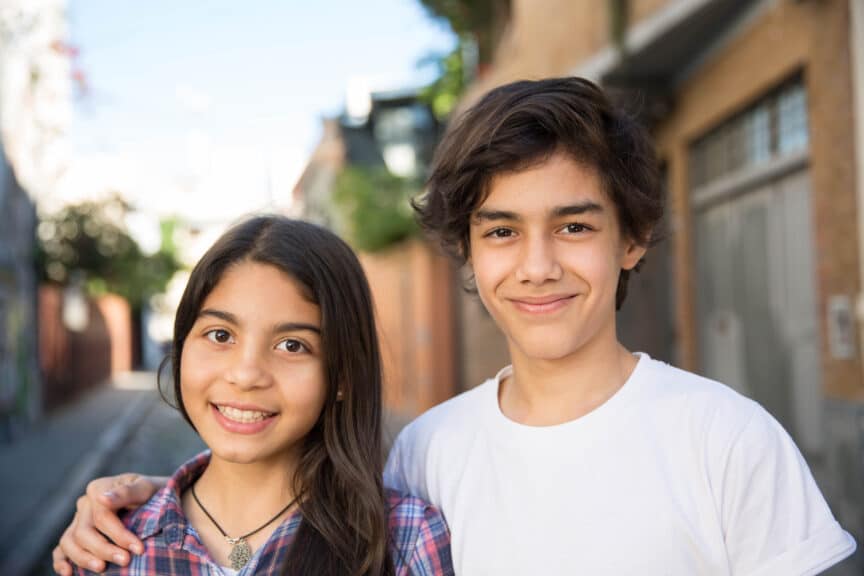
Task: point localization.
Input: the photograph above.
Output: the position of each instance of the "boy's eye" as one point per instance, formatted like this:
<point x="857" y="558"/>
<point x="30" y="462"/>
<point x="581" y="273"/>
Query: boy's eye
<point x="575" y="228"/>
<point x="500" y="233"/>
<point x="292" y="346"/>
<point x="219" y="336"/>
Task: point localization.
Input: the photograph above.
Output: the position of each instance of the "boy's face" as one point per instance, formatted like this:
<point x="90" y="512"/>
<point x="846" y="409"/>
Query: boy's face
<point x="546" y="251"/>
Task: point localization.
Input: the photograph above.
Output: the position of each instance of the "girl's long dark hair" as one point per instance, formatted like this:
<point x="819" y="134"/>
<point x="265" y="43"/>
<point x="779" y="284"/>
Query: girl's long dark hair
<point x="344" y="529"/>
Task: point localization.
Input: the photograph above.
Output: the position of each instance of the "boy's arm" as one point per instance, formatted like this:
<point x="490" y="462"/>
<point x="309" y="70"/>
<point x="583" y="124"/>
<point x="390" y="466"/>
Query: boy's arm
<point x="87" y="541"/>
<point x="775" y="519"/>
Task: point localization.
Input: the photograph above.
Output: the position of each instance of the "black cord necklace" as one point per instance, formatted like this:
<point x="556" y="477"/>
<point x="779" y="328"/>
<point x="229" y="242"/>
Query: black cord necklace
<point x="241" y="553"/>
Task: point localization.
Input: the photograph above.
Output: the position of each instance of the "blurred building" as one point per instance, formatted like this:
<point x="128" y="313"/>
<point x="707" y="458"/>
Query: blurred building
<point x="412" y="283"/>
<point x="20" y="391"/>
<point x="34" y="108"/>
<point x="753" y="107"/>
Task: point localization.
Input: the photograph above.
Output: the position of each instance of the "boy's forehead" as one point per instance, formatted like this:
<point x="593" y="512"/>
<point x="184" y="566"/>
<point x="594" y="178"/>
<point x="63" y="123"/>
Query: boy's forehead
<point x="558" y="185"/>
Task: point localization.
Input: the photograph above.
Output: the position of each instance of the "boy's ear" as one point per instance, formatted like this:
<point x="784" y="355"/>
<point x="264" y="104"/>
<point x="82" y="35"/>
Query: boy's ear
<point x="633" y="253"/>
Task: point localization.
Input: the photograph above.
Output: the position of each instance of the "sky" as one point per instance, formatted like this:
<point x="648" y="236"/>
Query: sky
<point x="210" y="108"/>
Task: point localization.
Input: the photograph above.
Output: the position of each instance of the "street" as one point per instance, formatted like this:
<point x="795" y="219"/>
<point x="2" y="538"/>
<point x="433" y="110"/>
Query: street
<point x="114" y="428"/>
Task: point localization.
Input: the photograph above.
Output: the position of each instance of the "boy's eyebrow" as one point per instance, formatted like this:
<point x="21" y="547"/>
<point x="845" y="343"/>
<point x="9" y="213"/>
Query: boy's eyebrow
<point x="482" y="215"/>
<point x="576" y="209"/>
<point x="283" y="327"/>
<point x="569" y="210"/>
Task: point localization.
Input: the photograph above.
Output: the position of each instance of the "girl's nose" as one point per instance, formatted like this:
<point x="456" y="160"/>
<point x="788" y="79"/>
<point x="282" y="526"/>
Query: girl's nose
<point x="250" y="371"/>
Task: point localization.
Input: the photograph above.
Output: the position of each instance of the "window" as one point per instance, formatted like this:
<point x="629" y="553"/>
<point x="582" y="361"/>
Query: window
<point x="774" y="127"/>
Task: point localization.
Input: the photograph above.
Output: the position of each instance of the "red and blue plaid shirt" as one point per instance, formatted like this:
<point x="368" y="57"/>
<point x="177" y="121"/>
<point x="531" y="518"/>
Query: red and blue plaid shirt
<point x="419" y="539"/>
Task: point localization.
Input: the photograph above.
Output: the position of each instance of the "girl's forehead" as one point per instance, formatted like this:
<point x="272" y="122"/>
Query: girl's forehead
<point x="259" y="289"/>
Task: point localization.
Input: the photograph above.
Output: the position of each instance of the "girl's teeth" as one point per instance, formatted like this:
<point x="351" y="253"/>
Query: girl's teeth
<point x="242" y="415"/>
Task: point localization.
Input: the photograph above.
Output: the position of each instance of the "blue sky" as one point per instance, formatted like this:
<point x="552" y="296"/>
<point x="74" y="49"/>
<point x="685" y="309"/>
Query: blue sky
<point x="162" y="67"/>
<point x="208" y="109"/>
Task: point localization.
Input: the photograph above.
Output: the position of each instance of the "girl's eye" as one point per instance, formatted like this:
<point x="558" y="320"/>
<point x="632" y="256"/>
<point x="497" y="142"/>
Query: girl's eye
<point x="219" y="336"/>
<point x="292" y="346"/>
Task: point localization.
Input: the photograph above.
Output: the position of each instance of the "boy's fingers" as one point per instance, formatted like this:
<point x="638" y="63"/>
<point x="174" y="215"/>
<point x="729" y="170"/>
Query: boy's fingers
<point x="95" y="543"/>
<point x="104" y="525"/>
<point x="76" y="554"/>
<point x="61" y="566"/>
<point x="124" y="491"/>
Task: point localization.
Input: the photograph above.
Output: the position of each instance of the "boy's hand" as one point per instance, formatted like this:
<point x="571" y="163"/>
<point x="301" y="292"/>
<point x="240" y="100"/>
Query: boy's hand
<point x="87" y="541"/>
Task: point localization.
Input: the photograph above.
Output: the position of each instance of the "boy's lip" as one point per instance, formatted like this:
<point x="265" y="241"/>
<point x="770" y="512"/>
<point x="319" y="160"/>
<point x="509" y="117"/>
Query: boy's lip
<point x="542" y="304"/>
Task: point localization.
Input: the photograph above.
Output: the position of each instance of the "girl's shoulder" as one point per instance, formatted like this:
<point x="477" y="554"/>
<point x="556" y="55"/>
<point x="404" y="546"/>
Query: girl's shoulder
<point x="419" y="535"/>
<point x="405" y="509"/>
<point x="164" y="510"/>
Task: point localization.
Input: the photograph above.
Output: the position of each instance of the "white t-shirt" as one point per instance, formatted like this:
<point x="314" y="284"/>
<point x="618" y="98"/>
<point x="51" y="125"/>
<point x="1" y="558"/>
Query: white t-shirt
<point x="673" y="475"/>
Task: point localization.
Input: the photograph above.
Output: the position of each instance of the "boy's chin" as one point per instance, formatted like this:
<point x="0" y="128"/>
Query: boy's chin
<point x="542" y="349"/>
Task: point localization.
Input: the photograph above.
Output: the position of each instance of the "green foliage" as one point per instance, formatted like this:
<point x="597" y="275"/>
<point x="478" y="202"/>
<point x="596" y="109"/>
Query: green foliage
<point x="443" y="94"/>
<point x="90" y="239"/>
<point x="374" y="206"/>
<point x="483" y="20"/>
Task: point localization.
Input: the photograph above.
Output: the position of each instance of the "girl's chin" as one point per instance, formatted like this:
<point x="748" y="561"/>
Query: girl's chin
<point x="241" y="455"/>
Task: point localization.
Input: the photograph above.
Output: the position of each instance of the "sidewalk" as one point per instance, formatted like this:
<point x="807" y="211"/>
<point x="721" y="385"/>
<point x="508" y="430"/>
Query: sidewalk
<point x="43" y="472"/>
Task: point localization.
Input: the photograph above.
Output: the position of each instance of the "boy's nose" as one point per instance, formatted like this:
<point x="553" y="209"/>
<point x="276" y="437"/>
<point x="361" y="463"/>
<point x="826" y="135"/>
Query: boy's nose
<point x="538" y="263"/>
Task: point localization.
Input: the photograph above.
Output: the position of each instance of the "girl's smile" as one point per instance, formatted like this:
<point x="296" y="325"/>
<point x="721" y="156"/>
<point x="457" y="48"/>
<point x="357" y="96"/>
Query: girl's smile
<point x="242" y="421"/>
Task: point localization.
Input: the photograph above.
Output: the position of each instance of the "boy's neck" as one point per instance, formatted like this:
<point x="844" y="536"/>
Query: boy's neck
<point x="543" y="392"/>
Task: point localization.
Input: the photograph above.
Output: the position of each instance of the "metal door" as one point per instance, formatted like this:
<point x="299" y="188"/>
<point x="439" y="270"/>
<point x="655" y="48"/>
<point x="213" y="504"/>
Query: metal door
<point x="756" y="300"/>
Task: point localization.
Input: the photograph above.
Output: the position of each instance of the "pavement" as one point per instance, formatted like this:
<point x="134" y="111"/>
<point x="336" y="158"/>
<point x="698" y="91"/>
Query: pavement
<point x="119" y="426"/>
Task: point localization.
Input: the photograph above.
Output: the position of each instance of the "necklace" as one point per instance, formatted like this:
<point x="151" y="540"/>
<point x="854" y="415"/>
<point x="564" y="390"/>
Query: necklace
<point x="241" y="553"/>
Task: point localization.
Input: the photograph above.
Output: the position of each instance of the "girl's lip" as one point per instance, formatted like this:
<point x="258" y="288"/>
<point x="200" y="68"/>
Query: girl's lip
<point x="241" y="406"/>
<point x="242" y="427"/>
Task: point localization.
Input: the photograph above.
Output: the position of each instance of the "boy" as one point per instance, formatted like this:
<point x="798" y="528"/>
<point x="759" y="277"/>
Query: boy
<point x="582" y="457"/>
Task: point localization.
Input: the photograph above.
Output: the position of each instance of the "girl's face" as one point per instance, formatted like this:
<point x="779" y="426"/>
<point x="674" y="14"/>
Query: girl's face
<point x="252" y="372"/>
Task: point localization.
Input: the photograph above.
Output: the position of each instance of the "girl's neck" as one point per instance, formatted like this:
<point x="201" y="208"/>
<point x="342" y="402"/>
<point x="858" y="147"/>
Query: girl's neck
<point x="242" y="496"/>
<point x="547" y="392"/>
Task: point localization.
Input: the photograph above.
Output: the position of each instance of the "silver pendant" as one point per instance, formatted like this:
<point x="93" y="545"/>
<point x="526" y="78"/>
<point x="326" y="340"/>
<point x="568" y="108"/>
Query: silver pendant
<point x="240" y="553"/>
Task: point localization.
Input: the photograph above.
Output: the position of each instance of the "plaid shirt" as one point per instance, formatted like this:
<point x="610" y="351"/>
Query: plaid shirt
<point x="419" y="539"/>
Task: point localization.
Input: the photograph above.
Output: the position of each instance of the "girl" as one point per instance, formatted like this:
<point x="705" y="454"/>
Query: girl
<point x="275" y="363"/>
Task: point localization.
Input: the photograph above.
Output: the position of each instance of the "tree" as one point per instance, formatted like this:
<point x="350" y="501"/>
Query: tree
<point x="90" y="239"/>
<point x="374" y="205"/>
<point x="444" y="93"/>
<point x="482" y="20"/>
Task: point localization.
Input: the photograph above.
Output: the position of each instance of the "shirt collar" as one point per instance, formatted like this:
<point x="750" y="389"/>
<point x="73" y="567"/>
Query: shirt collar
<point x="164" y="511"/>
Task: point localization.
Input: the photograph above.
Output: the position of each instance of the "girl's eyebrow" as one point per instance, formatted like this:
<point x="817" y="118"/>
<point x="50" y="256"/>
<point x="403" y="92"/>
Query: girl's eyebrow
<point x="226" y="316"/>
<point x="283" y="327"/>
<point x="296" y="327"/>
